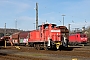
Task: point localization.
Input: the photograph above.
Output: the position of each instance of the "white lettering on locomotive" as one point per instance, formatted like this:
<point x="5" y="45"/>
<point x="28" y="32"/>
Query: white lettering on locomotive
<point x="55" y="30"/>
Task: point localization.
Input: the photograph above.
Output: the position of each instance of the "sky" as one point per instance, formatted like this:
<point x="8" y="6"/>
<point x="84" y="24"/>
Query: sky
<point x="77" y="13"/>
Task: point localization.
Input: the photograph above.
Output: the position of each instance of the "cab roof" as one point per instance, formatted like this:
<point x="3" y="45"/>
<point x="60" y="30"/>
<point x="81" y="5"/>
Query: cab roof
<point x="47" y="25"/>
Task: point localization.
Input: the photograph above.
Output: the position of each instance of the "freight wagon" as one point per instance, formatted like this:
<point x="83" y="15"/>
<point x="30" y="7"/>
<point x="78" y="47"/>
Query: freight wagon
<point x="20" y="38"/>
<point x="2" y="40"/>
<point x="15" y="38"/>
<point x="77" y="38"/>
<point x="49" y="36"/>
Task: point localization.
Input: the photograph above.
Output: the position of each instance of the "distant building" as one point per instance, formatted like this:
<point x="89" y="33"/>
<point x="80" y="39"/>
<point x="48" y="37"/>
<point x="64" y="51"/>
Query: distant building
<point x="9" y="31"/>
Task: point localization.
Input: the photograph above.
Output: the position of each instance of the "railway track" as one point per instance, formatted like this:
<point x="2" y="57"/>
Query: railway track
<point x="4" y="56"/>
<point x="77" y="51"/>
<point x="27" y="53"/>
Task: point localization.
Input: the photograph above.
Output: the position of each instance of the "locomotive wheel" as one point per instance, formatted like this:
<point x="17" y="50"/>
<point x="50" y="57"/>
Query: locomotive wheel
<point x="76" y="43"/>
<point x="37" y="46"/>
<point x="45" y="48"/>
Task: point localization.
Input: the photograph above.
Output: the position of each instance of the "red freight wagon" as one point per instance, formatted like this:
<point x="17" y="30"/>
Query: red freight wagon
<point x="20" y="38"/>
<point x="24" y="34"/>
<point x="49" y="36"/>
<point x="23" y="37"/>
<point x="77" y="38"/>
<point x="15" y="38"/>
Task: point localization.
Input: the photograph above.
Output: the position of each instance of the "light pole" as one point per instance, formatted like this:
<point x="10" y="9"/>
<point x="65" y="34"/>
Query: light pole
<point x="36" y="16"/>
<point x="63" y="19"/>
<point x="69" y="28"/>
<point x="5" y="35"/>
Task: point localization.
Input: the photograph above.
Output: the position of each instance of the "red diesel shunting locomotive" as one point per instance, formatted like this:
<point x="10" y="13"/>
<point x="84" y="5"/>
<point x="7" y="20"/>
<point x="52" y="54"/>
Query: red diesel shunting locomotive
<point x="49" y="36"/>
<point x="77" y="38"/>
